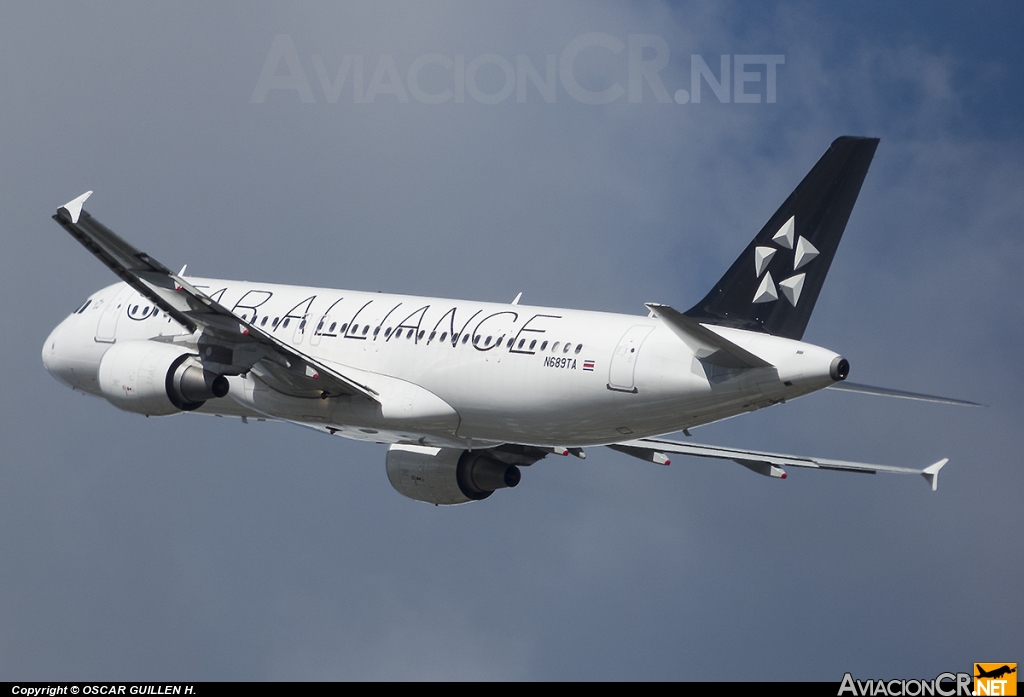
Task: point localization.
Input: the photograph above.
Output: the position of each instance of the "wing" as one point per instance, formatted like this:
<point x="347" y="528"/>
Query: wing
<point x="768" y="464"/>
<point x="228" y="343"/>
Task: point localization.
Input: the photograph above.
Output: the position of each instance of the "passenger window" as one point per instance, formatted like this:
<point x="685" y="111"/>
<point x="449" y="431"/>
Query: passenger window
<point x="344" y="327"/>
<point x="366" y="328"/>
<point x="285" y="323"/>
<point x="487" y="341"/>
<point x="532" y="344"/>
<point x="567" y="347"/>
<point x="579" y="347"/>
<point x="465" y="338"/>
<point x="408" y="334"/>
<point x="510" y="342"/>
<point x="276" y="320"/>
<point x="543" y="346"/>
<point x="554" y="347"/>
<point x="521" y="342"/>
<point x="302" y="324"/>
<point x="320" y="325"/>
<point x="376" y="331"/>
<point x="443" y="335"/>
<point x="355" y="328"/>
<point x="432" y="335"/>
<point x="419" y="337"/>
<point x="263" y="323"/>
<point x="333" y="325"/>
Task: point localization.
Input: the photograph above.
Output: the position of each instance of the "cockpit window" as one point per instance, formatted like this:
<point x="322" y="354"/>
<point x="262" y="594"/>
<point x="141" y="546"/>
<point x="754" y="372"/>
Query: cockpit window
<point x="82" y="308"/>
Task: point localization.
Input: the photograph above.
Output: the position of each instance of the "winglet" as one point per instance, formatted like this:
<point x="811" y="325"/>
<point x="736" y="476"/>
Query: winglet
<point x="931" y="473"/>
<point x="74" y="207"/>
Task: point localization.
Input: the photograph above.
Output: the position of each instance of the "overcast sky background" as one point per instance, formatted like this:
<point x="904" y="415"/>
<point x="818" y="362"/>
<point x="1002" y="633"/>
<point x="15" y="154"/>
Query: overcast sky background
<point x="199" y="548"/>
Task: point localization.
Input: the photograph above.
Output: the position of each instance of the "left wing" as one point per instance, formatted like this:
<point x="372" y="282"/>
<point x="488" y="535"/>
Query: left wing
<point x="229" y="344"/>
<point x="768" y="464"/>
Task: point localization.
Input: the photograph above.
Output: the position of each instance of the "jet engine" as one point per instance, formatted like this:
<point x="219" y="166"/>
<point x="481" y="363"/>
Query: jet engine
<point x="147" y="377"/>
<point x="447" y="476"/>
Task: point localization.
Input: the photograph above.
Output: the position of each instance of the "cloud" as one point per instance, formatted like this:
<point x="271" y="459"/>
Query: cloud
<point x="205" y="549"/>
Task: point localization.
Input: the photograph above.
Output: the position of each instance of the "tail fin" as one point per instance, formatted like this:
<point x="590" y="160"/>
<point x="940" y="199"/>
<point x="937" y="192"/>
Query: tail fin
<point x="773" y="285"/>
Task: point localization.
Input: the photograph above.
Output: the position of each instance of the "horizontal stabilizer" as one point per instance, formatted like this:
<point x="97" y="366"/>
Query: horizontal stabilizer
<point x="701" y="340"/>
<point x="768" y="464"/>
<point x="901" y="394"/>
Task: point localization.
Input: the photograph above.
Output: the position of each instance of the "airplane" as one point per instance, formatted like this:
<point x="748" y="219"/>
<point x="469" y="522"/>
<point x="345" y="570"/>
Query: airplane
<point x="464" y="393"/>
<point x="995" y="673"/>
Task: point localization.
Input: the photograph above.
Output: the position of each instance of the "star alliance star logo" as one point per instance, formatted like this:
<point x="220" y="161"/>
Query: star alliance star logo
<point x="803" y="253"/>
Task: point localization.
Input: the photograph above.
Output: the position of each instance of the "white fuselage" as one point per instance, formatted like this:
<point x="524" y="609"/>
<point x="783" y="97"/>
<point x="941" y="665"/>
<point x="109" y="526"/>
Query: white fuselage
<point x="512" y="374"/>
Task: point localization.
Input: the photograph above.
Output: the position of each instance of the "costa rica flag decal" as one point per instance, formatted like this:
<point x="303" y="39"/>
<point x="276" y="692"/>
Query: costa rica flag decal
<point x="588" y="365"/>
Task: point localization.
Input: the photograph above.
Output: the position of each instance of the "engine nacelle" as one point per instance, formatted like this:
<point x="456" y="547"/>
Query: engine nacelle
<point x="447" y="476"/>
<point x="147" y="377"/>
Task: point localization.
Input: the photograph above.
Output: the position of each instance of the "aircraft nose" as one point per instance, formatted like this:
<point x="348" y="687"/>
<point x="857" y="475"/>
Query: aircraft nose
<point x="51" y="357"/>
<point x="69" y="359"/>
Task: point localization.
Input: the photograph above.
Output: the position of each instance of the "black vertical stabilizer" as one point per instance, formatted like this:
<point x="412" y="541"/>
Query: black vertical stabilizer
<point x="773" y="285"/>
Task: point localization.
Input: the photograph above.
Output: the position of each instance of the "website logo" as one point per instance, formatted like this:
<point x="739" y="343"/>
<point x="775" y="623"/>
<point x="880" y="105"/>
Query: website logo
<point x="995" y="679"/>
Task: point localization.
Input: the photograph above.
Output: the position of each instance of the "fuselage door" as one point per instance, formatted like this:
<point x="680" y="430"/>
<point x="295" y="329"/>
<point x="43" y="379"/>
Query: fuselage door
<point x="106" y="329"/>
<point x="623" y="365"/>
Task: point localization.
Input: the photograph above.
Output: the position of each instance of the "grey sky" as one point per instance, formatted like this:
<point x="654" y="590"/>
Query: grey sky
<point x="199" y="548"/>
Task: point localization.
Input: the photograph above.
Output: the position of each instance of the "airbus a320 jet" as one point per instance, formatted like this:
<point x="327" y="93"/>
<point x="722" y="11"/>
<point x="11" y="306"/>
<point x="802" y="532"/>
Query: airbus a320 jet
<point x="466" y="393"/>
